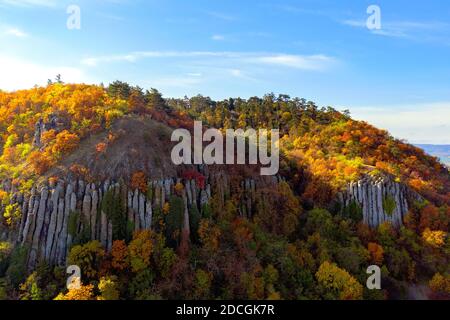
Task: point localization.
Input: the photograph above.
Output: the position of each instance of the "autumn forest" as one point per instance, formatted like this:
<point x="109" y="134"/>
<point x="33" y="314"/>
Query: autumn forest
<point x="86" y="180"/>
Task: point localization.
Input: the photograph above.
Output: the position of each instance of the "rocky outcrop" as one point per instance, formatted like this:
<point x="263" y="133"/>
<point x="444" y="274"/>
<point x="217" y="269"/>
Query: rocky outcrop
<point x="47" y="224"/>
<point x="53" y="123"/>
<point x="379" y="199"/>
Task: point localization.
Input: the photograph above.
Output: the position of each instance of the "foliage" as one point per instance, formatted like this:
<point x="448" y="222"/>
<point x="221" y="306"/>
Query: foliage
<point x="434" y="238"/>
<point x="42" y="284"/>
<point x="291" y="243"/>
<point x="140" y="250"/>
<point x="83" y="293"/>
<point x="174" y="218"/>
<point x="5" y="251"/>
<point x="88" y="257"/>
<point x="113" y="207"/>
<point x="12" y="214"/>
<point x="376" y="253"/>
<point x="108" y="289"/>
<point x="389" y="205"/>
<point x="119" y="255"/>
<point x="139" y="181"/>
<point x="17" y="271"/>
<point x="338" y="283"/>
<point x="440" y="284"/>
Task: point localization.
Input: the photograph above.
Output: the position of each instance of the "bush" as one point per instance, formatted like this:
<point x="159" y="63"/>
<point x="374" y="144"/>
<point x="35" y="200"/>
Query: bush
<point x="17" y="270"/>
<point x="174" y="218"/>
<point x="5" y="252"/>
<point x="389" y="205"/>
<point x="88" y="257"/>
<point x="113" y="208"/>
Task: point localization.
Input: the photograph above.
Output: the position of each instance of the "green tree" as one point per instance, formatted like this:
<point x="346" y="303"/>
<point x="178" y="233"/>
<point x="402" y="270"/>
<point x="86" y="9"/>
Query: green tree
<point x="88" y="257"/>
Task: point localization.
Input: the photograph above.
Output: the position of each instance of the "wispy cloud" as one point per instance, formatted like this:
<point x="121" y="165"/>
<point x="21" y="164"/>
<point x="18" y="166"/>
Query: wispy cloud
<point x="218" y="37"/>
<point x="29" y="3"/>
<point x="317" y="62"/>
<point x="15" y="32"/>
<point x="420" y="123"/>
<point x="413" y="30"/>
<point x="312" y="62"/>
<point x="221" y="15"/>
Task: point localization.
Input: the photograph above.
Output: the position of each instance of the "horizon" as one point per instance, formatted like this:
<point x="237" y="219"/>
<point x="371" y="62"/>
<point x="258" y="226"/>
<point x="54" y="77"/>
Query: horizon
<point x="320" y="51"/>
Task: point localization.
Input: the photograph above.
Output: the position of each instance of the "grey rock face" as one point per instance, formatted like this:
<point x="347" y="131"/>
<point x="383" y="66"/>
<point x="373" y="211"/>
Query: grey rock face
<point x="373" y="193"/>
<point x="48" y="225"/>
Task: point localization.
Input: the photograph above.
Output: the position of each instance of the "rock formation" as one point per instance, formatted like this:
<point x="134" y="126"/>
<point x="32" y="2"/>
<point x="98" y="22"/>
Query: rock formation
<point x="46" y="226"/>
<point x="380" y="199"/>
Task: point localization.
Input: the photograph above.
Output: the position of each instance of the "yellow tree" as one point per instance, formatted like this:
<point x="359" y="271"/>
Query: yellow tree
<point x="338" y="283"/>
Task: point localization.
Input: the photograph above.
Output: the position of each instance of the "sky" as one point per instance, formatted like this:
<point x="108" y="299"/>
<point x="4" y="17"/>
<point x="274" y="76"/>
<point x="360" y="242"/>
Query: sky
<point x="396" y="77"/>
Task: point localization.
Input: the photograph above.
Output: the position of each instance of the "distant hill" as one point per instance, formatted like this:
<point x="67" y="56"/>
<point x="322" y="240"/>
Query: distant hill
<point x="442" y="151"/>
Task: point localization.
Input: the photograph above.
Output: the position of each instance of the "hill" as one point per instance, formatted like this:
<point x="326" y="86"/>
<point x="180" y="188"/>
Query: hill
<point x="86" y="178"/>
<point x="442" y="151"/>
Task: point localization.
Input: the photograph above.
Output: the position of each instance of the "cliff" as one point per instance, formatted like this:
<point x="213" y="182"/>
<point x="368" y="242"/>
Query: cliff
<point x="49" y="225"/>
<point x="379" y="199"/>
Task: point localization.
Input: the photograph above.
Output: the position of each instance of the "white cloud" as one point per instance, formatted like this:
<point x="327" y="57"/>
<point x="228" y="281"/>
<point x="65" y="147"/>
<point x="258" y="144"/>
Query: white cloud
<point x="221" y="16"/>
<point x="236" y="72"/>
<point x="312" y="62"/>
<point x="174" y="81"/>
<point x="16" y="33"/>
<point x="20" y="74"/>
<point x="420" y="123"/>
<point x="29" y="3"/>
<point x="218" y="37"/>
<point x="413" y="30"/>
<point x="304" y="62"/>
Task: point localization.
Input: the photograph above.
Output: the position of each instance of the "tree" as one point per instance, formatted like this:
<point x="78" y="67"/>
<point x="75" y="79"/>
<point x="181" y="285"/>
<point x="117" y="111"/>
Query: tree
<point x="119" y="255"/>
<point x="434" y="238"/>
<point x="209" y="235"/>
<point x="108" y="288"/>
<point x="139" y="181"/>
<point x="40" y="162"/>
<point x="17" y="269"/>
<point x="202" y="284"/>
<point x="43" y="284"/>
<point x="154" y="99"/>
<point x="119" y="89"/>
<point x="65" y="142"/>
<point x="278" y="210"/>
<point x="174" y="218"/>
<point x="440" y="285"/>
<point x="338" y="283"/>
<point x="88" y="257"/>
<point x="113" y="207"/>
<point x="376" y="253"/>
<point x="140" y="250"/>
<point x="83" y="293"/>
<point x="136" y="101"/>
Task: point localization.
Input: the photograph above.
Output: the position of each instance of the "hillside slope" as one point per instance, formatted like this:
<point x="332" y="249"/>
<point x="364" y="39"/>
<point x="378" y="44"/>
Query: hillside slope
<point x="86" y="170"/>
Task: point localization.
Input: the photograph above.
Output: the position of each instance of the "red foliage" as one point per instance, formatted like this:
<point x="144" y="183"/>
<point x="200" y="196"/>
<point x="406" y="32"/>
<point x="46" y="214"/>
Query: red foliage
<point x="195" y="175"/>
<point x="139" y="181"/>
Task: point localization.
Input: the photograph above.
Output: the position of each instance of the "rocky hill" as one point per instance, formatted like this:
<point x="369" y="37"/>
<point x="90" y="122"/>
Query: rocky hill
<point x="83" y="163"/>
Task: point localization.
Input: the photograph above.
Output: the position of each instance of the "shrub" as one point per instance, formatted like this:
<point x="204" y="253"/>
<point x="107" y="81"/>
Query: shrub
<point x="389" y="205"/>
<point x="88" y="257"/>
<point x="113" y="208"/>
<point x="17" y="269"/>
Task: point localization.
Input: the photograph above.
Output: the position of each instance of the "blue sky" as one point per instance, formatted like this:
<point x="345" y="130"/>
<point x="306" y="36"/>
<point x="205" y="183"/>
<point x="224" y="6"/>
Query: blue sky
<point x="397" y="78"/>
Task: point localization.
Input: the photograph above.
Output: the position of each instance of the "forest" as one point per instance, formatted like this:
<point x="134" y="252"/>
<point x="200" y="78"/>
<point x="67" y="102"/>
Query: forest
<point x="296" y="241"/>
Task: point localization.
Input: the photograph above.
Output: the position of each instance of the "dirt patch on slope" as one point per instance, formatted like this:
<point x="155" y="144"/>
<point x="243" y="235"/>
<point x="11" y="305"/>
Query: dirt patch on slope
<point x="132" y="144"/>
